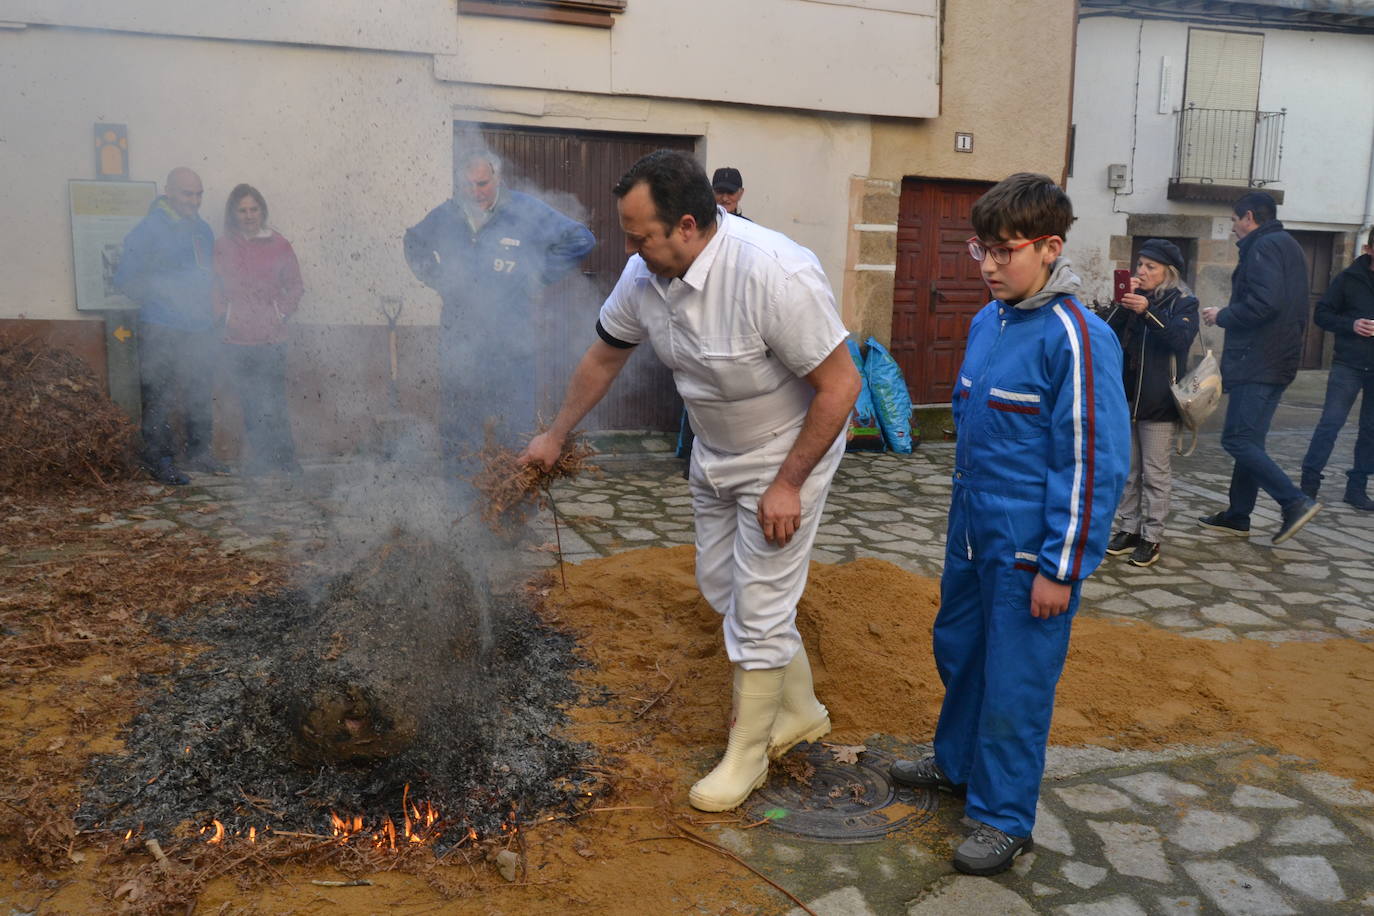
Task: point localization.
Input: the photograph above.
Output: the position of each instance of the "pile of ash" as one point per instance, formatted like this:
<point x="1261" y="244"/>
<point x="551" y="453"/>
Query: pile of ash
<point x="58" y="429"/>
<point x="338" y="697"/>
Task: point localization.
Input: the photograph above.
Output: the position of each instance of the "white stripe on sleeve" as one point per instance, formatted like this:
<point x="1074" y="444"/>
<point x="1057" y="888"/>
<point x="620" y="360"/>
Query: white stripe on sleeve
<point x="1075" y="508"/>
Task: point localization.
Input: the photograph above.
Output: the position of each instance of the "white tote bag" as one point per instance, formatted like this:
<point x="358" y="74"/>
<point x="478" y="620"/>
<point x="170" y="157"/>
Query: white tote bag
<point x="1197" y="394"/>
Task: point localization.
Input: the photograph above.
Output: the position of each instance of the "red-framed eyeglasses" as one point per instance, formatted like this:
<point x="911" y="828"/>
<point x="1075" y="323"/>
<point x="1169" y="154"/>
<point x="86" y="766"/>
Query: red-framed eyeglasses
<point x="1001" y="254"/>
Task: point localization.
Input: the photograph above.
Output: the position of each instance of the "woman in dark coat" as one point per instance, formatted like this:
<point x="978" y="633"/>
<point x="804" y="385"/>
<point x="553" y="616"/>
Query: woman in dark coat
<point x="1156" y="323"/>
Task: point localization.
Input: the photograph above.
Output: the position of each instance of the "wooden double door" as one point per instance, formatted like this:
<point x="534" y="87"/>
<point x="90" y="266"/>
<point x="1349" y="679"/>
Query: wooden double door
<point x="574" y="171"/>
<point x="938" y="288"/>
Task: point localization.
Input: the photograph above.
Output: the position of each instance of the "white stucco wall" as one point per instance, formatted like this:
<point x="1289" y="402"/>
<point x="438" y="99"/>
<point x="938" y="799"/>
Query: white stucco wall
<point x="412" y="25"/>
<point x="795" y="165"/>
<point x="1318" y="77"/>
<point x="349" y="146"/>
<point x="870" y="58"/>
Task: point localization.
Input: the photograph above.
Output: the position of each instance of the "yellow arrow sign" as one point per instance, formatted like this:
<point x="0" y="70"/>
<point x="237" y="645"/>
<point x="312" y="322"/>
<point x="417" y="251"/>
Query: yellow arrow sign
<point x="122" y="333"/>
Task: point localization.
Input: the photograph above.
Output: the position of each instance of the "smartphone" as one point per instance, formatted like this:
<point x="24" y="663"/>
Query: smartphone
<point x="1121" y="284"/>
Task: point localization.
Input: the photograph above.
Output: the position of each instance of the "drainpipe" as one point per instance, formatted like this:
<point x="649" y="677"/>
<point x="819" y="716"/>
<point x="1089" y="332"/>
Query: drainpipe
<point x="1368" y="220"/>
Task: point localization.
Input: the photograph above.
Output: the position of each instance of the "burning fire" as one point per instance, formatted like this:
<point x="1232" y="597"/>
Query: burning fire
<point x="421" y="823"/>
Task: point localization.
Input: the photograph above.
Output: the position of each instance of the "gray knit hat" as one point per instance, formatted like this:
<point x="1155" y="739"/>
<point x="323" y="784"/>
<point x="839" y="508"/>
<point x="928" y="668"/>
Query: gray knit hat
<point x="1164" y="252"/>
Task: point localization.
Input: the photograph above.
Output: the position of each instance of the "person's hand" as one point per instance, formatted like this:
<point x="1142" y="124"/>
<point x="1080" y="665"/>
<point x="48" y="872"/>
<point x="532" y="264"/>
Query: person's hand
<point x="1209" y="315"/>
<point x="1135" y="302"/>
<point x="543" y="450"/>
<point x="779" y="512"/>
<point x="1048" y="597"/>
<point x="1364" y="327"/>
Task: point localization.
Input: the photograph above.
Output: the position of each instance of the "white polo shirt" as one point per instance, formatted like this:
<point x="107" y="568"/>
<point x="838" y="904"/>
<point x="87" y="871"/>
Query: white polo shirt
<point x="752" y="315"/>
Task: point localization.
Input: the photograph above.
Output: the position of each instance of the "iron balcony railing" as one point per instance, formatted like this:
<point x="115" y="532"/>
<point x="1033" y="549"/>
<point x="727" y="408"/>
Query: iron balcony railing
<point x="1224" y="146"/>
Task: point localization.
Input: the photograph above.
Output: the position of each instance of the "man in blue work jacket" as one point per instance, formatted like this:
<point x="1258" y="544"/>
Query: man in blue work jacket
<point x="488" y="252"/>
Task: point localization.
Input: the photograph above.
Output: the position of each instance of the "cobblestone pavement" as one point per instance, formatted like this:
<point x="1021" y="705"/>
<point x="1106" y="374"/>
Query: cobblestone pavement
<point x="1233" y="830"/>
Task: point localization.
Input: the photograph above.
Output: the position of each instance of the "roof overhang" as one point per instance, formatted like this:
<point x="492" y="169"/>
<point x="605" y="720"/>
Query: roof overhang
<point x="1311" y="15"/>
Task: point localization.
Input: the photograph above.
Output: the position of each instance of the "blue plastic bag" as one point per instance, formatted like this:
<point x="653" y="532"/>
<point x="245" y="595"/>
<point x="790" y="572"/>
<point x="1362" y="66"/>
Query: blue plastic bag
<point x="891" y="400"/>
<point x="864" y="432"/>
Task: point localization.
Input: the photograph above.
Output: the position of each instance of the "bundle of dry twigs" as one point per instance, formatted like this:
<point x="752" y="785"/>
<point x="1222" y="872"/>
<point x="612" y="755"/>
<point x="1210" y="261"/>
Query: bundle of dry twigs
<point x="510" y="487"/>
<point x="58" y="428"/>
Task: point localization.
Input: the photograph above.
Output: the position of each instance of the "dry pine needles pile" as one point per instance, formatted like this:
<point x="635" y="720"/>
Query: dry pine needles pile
<point x="58" y="429"/>
<point x="510" y="486"/>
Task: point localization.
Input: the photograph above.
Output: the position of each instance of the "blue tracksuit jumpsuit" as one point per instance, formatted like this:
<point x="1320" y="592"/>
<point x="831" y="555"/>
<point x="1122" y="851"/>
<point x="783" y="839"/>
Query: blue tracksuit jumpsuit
<point x="1042" y="454"/>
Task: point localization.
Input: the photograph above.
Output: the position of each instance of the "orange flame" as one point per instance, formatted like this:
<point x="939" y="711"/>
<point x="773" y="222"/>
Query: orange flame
<point x="218" y="836"/>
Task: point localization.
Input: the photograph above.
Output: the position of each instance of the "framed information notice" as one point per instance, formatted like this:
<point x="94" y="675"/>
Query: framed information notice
<point x="103" y="212"/>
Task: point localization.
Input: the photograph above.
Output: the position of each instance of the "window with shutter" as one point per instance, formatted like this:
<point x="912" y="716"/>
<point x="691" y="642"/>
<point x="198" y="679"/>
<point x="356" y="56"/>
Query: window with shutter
<point x="1220" y="107"/>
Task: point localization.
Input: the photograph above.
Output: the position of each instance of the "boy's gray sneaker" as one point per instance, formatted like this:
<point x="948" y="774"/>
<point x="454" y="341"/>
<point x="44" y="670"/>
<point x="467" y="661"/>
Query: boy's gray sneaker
<point x="924" y="774"/>
<point x="989" y="851"/>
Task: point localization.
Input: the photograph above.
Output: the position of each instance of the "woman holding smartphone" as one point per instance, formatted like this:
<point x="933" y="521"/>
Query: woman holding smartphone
<point x="1156" y="322"/>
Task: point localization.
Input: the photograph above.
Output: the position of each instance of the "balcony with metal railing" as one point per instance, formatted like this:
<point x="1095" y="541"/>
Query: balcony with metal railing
<point x="1223" y="153"/>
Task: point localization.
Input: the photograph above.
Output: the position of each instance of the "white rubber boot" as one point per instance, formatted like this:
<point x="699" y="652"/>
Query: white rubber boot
<point x="801" y="717"/>
<point x="744" y="767"/>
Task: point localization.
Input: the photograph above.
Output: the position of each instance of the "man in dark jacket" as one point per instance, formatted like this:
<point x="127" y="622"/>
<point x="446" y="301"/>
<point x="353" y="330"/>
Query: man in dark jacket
<point x="1347" y="310"/>
<point x="488" y="252"/>
<point x="1264" y="323"/>
<point x="167" y="268"/>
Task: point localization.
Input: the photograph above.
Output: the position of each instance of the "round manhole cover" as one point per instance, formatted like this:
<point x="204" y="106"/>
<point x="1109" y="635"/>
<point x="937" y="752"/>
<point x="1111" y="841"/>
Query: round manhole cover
<point x="843" y="802"/>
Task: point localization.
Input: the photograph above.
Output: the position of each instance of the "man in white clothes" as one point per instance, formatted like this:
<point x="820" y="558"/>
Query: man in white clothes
<point x="746" y="320"/>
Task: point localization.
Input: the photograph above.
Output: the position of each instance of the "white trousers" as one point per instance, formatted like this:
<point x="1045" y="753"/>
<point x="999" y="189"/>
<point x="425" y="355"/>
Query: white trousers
<point x="753" y="584"/>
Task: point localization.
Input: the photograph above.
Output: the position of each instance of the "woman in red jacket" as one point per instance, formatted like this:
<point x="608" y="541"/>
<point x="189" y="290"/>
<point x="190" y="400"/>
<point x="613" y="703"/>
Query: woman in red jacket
<point x="258" y="290"/>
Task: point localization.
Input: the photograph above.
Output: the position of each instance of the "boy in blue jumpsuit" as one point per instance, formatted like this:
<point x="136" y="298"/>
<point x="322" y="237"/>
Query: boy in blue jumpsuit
<point x="1042" y="455"/>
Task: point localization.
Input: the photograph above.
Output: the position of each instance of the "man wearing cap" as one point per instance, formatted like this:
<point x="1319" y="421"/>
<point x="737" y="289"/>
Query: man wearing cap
<point x="729" y="188"/>
<point x="746" y="320"/>
<point x="1264" y="322"/>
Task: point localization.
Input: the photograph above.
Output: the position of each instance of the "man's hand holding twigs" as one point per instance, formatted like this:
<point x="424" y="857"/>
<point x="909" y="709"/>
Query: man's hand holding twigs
<point x="543" y="450"/>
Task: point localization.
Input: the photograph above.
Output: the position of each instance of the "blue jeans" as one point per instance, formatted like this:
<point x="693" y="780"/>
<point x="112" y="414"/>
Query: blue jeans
<point x="1343" y="385"/>
<point x="1249" y="411"/>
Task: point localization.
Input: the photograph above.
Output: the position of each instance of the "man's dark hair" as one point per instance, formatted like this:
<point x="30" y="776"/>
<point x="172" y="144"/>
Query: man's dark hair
<point x="231" y="206"/>
<point x="1262" y="205"/>
<point x="1370" y="241"/>
<point x="1024" y="205"/>
<point x="677" y="186"/>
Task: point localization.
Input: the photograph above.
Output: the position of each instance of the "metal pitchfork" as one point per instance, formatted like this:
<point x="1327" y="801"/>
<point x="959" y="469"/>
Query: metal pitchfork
<point x="391" y="311"/>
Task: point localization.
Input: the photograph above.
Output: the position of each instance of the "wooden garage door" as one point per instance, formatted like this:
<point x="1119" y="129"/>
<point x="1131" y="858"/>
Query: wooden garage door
<point x="557" y="165"/>
<point x="938" y="288"/>
<point x="1317" y="248"/>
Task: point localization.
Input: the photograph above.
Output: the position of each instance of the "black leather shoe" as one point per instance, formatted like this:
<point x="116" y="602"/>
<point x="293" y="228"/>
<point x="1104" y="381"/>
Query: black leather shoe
<point x="1356" y="496"/>
<point x="1123" y="542"/>
<point x="1295" y="516"/>
<point x="1225" y="524"/>
<point x="1146" y="553"/>
<point x="166" y="472"/>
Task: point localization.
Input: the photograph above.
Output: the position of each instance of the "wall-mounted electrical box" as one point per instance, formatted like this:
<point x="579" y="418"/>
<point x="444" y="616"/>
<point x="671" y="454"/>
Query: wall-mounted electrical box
<point x="1116" y="175"/>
